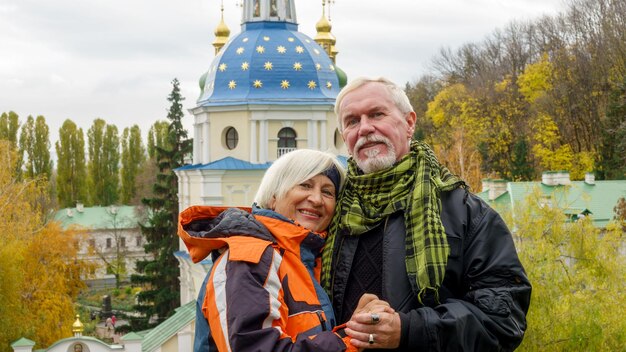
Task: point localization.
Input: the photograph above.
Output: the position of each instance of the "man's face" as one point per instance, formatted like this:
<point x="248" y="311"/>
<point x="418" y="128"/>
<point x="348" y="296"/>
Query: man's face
<point x="376" y="132"/>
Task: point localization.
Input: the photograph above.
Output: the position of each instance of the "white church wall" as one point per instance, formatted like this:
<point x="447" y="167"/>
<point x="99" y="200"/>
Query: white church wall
<point x="220" y="122"/>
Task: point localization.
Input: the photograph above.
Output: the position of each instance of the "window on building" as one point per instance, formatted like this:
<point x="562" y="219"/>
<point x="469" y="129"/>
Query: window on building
<point x="92" y="243"/>
<point x="122" y="241"/>
<point x="138" y="241"/>
<point x="109" y="243"/>
<point x="286" y="140"/>
<point x="231" y="138"/>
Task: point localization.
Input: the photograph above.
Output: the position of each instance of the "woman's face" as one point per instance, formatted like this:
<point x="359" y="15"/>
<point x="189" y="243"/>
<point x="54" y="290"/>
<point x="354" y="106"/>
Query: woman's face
<point x="310" y="203"/>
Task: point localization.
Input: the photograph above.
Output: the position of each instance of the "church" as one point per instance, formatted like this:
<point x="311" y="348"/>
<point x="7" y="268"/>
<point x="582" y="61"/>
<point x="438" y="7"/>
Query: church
<point x="269" y="90"/>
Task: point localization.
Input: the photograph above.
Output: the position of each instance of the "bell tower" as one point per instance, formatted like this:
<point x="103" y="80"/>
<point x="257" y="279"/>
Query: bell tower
<point x="269" y="10"/>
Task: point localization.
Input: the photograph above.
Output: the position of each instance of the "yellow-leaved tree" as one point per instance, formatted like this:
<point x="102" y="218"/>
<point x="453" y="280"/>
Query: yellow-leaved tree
<point x="40" y="274"/>
<point x="457" y="130"/>
<point x="578" y="275"/>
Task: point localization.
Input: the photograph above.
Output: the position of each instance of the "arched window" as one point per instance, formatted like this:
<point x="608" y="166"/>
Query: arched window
<point x="231" y="138"/>
<point x="286" y="140"/>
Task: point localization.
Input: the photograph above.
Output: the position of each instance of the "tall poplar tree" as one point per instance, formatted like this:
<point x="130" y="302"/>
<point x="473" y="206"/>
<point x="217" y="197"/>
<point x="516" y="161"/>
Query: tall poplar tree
<point x="35" y="143"/>
<point x="133" y="160"/>
<point x="104" y="158"/>
<point x="157" y="137"/>
<point x="71" y="168"/>
<point x="160" y="275"/>
<point x="9" y="124"/>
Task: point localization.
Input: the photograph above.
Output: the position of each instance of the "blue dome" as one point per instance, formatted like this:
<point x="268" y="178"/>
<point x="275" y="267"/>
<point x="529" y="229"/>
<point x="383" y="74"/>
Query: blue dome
<point x="270" y="63"/>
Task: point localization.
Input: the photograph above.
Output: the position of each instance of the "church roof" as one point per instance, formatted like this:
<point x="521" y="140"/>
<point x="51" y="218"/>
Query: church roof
<point x="227" y="163"/>
<point x="270" y="62"/>
<point x="154" y="340"/>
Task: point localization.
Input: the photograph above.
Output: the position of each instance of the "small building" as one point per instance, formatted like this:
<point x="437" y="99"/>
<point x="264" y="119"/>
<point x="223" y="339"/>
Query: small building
<point x="113" y="242"/>
<point x="577" y="198"/>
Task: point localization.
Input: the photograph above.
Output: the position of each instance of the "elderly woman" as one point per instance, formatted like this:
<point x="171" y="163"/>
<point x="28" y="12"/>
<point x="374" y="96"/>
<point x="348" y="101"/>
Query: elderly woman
<point x="263" y="292"/>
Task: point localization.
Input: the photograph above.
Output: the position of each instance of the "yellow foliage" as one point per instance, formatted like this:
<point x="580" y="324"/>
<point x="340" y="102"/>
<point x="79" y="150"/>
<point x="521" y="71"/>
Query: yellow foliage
<point x="535" y="82"/>
<point x="39" y="272"/>
<point x="577" y="273"/>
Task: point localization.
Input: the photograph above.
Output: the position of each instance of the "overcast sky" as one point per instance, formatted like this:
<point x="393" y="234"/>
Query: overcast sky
<point x="115" y="59"/>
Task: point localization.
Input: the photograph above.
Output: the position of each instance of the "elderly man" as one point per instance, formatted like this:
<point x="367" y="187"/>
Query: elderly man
<point x="409" y="232"/>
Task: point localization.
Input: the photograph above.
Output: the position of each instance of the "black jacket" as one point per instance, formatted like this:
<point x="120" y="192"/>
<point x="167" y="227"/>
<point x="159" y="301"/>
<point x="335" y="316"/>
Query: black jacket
<point x="485" y="293"/>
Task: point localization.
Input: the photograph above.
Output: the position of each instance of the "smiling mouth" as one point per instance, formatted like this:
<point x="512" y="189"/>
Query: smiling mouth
<point x="309" y="213"/>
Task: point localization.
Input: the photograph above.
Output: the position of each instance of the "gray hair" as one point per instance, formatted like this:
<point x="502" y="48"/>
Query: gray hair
<point x="292" y="169"/>
<point x="397" y="94"/>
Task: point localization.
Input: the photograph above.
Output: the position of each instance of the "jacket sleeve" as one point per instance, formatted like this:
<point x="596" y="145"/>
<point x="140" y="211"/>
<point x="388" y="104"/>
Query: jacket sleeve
<point x="202" y="335"/>
<point x="246" y="312"/>
<point x="489" y="313"/>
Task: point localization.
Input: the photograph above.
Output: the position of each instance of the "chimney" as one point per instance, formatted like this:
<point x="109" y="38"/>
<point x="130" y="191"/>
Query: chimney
<point x="590" y="178"/>
<point x="70" y="213"/>
<point x="496" y="187"/>
<point x="563" y="178"/>
<point x="80" y="207"/>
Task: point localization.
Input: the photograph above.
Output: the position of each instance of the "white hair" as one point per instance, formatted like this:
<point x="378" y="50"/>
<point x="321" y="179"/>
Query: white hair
<point x="397" y="94"/>
<point x="292" y="169"/>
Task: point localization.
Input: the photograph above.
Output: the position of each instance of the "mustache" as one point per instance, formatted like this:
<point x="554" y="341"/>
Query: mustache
<point x="372" y="138"/>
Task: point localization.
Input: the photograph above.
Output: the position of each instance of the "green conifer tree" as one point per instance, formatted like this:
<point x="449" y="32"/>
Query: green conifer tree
<point x="160" y="275"/>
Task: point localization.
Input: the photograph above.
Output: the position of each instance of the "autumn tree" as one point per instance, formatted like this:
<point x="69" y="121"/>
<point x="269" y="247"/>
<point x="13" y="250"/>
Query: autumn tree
<point x="577" y="273"/>
<point x="40" y="274"/>
<point x="71" y="168"/>
<point x="9" y="125"/>
<point x="157" y="138"/>
<point x="133" y="160"/>
<point x="35" y="143"/>
<point x="160" y="275"/>
<point x="103" y="166"/>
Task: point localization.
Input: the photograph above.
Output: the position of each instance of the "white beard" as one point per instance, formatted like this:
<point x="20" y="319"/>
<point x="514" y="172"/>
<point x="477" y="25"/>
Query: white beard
<point x="372" y="162"/>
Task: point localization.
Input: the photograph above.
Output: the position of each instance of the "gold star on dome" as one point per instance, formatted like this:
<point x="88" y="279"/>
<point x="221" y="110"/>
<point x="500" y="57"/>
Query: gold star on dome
<point x="281" y="49"/>
<point x="245" y="40"/>
<point x="232" y="85"/>
<point x="284" y="84"/>
<point x="223" y="67"/>
<point x="299" y="49"/>
<point x="245" y="66"/>
<point x="297" y="66"/>
<point x="316" y="51"/>
<point x="329" y="85"/>
<point x="290" y="39"/>
<point x="331" y="67"/>
<point x="268" y="65"/>
<point x="266" y="38"/>
<point x="257" y="84"/>
<point x="318" y="67"/>
<point x="240" y="50"/>
<point x="260" y="49"/>
<point x="312" y="85"/>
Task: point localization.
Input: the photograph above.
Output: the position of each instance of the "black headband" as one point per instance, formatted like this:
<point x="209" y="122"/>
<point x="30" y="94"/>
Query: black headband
<point x="333" y="174"/>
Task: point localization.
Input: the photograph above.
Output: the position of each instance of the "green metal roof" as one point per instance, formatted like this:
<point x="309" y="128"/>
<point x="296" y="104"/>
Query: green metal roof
<point x="111" y="217"/>
<point x="164" y="331"/>
<point x="23" y="342"/>
<point x="597" y="200"/>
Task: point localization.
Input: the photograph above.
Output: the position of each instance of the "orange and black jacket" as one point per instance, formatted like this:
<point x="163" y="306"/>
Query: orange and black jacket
<point x="263" y="292"/>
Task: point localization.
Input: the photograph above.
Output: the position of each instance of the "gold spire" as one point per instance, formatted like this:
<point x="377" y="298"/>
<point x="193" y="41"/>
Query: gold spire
<point x="77" y="327"/>
<point x="324" y="37"/>
<point x="221" y="33"/>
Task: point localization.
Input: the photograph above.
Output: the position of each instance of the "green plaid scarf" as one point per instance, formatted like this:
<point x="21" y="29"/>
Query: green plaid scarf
<point x="413" y="184"/>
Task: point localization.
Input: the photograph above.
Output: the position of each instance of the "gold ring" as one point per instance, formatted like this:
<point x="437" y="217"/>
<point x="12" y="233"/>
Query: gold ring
<point x="375" y="318"/>
<point x="371" y="339"/>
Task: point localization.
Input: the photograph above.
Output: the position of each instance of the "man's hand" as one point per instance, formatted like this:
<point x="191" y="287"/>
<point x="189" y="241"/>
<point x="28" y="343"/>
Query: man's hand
<point x="374" y="330"/>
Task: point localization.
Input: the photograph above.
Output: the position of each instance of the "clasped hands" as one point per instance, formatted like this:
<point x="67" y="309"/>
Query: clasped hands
<point x="374" y="324"/>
